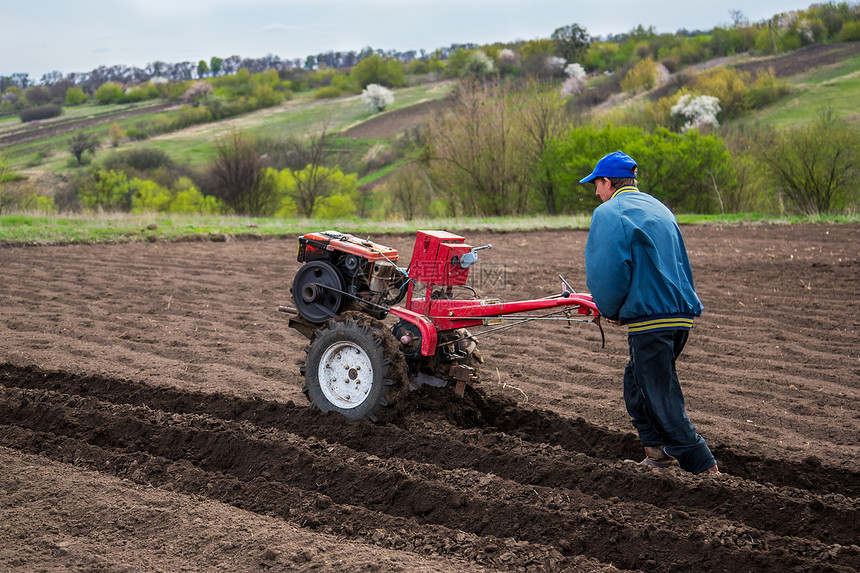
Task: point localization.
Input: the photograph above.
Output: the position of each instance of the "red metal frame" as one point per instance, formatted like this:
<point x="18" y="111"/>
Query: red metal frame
<point x="435" y="263"/>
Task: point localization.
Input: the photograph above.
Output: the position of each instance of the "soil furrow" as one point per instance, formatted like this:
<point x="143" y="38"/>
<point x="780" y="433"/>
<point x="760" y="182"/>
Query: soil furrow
<point x="168" y="364"/>
<point x="526" y="457"/>
<point x="308" y="509"/>
<point x="217" y="446"/>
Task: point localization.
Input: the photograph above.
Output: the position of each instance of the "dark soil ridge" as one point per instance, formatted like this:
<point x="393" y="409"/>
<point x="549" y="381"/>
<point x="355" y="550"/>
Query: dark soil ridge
<point x="57" y="127"/>
<point x="804" y="59"/>
<point x="477" y="412"/>
<point x="249" y="454"/>
<point x="308" y="509"/>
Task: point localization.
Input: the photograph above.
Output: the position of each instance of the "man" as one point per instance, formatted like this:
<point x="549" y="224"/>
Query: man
<point x="637" y="270"/>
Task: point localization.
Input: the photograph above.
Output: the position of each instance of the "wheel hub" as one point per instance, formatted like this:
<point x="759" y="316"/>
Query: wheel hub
<point x="317" y="291"/>
<point x="345" y="375"/>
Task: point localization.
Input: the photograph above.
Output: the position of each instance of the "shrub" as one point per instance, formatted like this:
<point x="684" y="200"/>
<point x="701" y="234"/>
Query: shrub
<point x="75" y="96"/>
<point x="106" y="191"/>
<point x="140" y="159"/>
<point x="766" y="89"/>
<point x="41" y="112"/>
<point x="815" y="167"/>
<point x="335" y="207"/>
<point x="689" y="172"/>
<point x="328" y="92"/>
<point x="727" y="85"/>
<point x="642" y="77"/>
<point x="116" y="134"/>
<point x="37" y="95"/>
<point x="137" y="134"/>
<point x="189" y="116"/>
<point x="108" y="92"/>
<point x="850" y="32"/>
<point x="376" y="98"/>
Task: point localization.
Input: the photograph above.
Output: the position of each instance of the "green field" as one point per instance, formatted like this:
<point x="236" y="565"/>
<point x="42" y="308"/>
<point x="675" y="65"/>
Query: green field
<point x="195" y="145"/>
<point x="835" y="87"/>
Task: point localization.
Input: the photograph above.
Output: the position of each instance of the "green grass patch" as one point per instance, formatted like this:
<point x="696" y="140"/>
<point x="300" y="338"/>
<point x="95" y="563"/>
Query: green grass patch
<point x="380" y="173"/>
<point x="41" y="230"/>
<point x="833" y="87"/>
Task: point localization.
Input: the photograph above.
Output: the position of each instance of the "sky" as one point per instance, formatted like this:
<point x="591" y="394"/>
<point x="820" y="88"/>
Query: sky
<point x="38" y="37"/>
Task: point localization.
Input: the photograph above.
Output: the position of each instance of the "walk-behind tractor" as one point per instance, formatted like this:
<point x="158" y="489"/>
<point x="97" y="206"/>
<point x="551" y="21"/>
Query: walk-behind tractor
<point x="355" y="362"/>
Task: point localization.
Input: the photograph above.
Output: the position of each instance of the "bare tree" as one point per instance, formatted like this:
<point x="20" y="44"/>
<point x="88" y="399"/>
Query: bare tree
<point x="543" y="119"/>
<point x="313" y="185"/>
<point x="408" y="192"/>
<point x="477" y="157"/>
<point x="238" y="176"/>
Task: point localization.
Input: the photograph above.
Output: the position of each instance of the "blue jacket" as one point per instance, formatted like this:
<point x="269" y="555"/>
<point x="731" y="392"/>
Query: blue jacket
<point x="636" y="265"/>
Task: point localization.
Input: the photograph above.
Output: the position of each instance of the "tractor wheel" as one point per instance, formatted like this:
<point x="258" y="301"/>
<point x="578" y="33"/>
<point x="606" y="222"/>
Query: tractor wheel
<point x="349" y="369"/>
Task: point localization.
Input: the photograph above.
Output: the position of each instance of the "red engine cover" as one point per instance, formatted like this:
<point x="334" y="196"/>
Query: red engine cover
<point x="436" y="258"/>
<point x="314" y="245"/>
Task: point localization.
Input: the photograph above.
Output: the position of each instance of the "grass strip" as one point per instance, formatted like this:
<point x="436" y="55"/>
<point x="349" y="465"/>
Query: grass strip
<point x="123" y="228"/>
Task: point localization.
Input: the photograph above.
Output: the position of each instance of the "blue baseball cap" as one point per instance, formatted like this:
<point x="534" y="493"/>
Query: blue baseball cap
<point x="616" y="164"/>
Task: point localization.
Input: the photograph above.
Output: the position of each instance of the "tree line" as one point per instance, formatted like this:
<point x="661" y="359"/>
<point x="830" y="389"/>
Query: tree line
<point x="518" y="132"/>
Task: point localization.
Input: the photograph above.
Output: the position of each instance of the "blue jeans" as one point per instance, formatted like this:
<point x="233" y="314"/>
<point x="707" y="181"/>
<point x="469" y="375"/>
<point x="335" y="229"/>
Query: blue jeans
<point x="652" y="394"/>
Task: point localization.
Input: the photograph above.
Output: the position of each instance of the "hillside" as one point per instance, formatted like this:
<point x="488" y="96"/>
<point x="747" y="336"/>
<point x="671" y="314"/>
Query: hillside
<point x="375" y="146"/>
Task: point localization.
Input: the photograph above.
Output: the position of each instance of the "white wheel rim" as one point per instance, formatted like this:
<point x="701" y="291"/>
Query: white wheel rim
<point x="345" y="375"/>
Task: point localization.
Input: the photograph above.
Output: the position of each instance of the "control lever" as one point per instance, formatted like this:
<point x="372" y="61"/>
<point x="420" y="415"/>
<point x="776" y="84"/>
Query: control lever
<point x="470" y="258"/>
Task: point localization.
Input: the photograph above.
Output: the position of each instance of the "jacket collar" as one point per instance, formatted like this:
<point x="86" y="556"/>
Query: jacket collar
<point x="626" y="189"/>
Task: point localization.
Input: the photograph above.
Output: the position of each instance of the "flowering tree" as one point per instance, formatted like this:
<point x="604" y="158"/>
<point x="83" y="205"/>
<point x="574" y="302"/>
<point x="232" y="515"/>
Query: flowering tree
<point x="699" y="111"/>
<point x="196" y="93"/>
<point x="507" y="57"/>
<point x="554" y="65"/>
<point x="575" y="82"/>
<point x="376" y="97"/>
<point x="478" y="65"/>
<point x="507" y="60"/>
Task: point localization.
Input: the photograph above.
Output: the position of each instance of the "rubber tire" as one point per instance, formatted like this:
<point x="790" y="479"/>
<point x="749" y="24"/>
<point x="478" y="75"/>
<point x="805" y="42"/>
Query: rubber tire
<point x="369" y="340"/>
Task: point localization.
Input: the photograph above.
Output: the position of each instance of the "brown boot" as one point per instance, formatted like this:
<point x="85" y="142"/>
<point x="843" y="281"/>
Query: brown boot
<point x="711" y="470"/>
<point x="655" y="457"/>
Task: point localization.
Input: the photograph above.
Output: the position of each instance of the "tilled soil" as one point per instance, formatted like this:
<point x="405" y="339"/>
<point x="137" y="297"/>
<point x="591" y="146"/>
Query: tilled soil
<point x="151" y="418"/>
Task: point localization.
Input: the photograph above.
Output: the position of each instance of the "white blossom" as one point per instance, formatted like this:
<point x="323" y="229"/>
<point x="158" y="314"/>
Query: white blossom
<point x="663" y="74"/>
<point x="555" y="65"/>
<point x="478" y="64"/>
<point x="698" y="110"/>
<point x="805" y="30"/>
<point x="572" y="86"/>
<point x="376" y="97"/>
<point x="507" y="57"/>
<point x="574" y="70"/>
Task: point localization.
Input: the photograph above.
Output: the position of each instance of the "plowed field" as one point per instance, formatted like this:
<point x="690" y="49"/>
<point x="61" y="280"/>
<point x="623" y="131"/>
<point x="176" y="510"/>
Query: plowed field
<point x="152" y="419"/>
